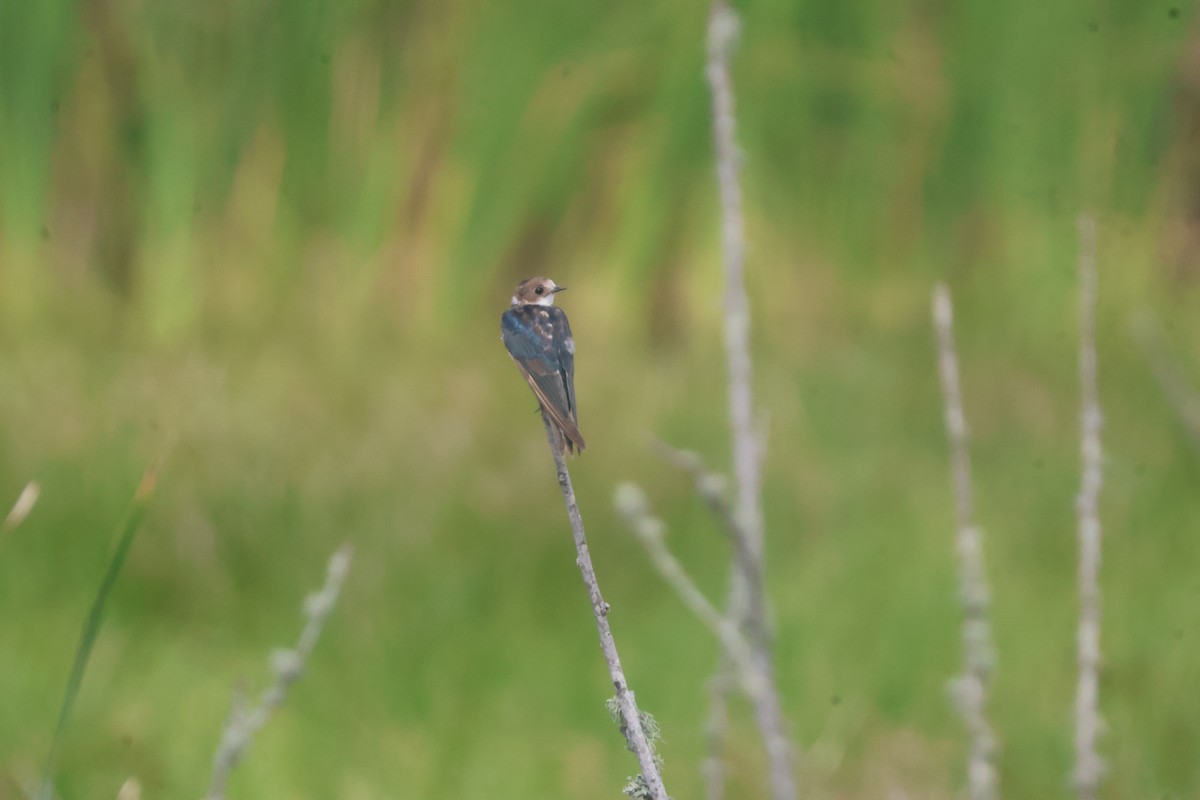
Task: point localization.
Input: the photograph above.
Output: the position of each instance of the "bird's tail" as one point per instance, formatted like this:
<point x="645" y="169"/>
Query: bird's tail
<point x="566" y="441"/>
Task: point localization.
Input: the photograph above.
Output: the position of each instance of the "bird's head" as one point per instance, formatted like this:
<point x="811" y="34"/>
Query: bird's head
<point x="535" y="291"/>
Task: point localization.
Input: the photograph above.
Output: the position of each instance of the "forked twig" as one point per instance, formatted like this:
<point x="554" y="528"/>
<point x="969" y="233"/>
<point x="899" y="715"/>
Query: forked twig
<point x="746" y="611"/>
<point x="711" y="488"/>
<point x="631" y="504"/>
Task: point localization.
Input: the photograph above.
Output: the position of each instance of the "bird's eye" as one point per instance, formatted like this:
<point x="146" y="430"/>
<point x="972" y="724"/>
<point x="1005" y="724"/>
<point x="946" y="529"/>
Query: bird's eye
<point x="538" y="290"/>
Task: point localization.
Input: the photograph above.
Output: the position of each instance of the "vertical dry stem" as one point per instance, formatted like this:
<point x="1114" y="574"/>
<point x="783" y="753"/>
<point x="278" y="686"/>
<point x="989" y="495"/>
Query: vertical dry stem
<point x="970" y="689"/>
<point x="712" y="770"/>
<point x="1088" y="765"/>
<point x="722" y="34"/>
<point x="631" y="718"/>
<point x="749" y="615"/>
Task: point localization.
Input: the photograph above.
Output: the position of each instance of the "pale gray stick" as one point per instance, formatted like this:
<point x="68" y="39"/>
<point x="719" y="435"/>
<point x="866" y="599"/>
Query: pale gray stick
<point x="722" y="35"/>
<point x="712" y="769"/>
<point x="631" y="504"/>
<point x="288" y="666"/>
<point x="711" y="488"/>
<point x="747" y="465"/>
<point x="1089" y="767"/>
<point x="969" y="689"/>
<point x="625" y="700"/>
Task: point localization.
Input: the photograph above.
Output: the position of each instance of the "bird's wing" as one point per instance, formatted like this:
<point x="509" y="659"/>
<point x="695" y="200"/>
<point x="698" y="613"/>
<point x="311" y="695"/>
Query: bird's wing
<point x="541" y="346"/>
<point x="548" y="389"/>
<point x="564" y="353"/>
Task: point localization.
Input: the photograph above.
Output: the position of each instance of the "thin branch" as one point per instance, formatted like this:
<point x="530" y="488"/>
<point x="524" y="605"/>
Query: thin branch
<point x="969" y="689"/>
<point x="722" y="35"/>
<point x="712" y="769"/>
<point x="631" y="717"/>
<point x="288" y="666"/>
<point x="631" y="504"/>
<point x="746" y="610"/>
<point x="711" y="488"/>
<point x="1088" y="765"/>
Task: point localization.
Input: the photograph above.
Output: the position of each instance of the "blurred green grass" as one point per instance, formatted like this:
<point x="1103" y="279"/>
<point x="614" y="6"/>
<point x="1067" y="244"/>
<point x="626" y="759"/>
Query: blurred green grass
<point x="284" y="234"/>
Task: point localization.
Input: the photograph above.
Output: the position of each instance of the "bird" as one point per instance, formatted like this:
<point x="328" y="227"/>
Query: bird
<point x="538" y="337"/>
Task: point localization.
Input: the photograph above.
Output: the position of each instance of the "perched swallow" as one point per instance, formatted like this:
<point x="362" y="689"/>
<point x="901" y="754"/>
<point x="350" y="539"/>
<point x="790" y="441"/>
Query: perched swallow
<point x="538" y="338"/>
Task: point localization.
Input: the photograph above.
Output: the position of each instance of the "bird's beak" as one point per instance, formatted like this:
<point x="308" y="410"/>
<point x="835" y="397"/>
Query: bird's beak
<point x="558" y="289"/>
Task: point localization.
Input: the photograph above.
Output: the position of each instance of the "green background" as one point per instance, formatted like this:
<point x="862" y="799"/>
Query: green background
<point x="281" y="235"/>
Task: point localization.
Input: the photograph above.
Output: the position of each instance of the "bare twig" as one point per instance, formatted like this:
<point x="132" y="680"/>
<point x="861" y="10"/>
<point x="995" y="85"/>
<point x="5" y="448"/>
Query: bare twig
<point x="969" y="689"/>
<point x="1182" y="396"/>
<point x="631" y="504"/>
<point x="288" y="666"/>
<point x="722" y="34"/>
<point x="745" y="610"/>
<point x="1088" y="765"/>
<point x="631" y="717"/>
<point x="711" y="488"/>
<point x="712" y="769"/>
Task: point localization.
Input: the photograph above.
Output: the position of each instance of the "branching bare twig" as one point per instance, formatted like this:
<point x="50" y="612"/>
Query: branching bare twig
<point x="1088" y="765"/>
<point x="288" y="666"/>
<point x="746" y="611"/>
<point x="711" y="488"/>
<point x="631" y="717"/>
<point x="631" y="504"/>
<point x="970" y="689"/>
<point x="722" y="35"/>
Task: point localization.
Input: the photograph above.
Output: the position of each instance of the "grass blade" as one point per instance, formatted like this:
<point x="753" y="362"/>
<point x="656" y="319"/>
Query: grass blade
<point x="130" y="524"/>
